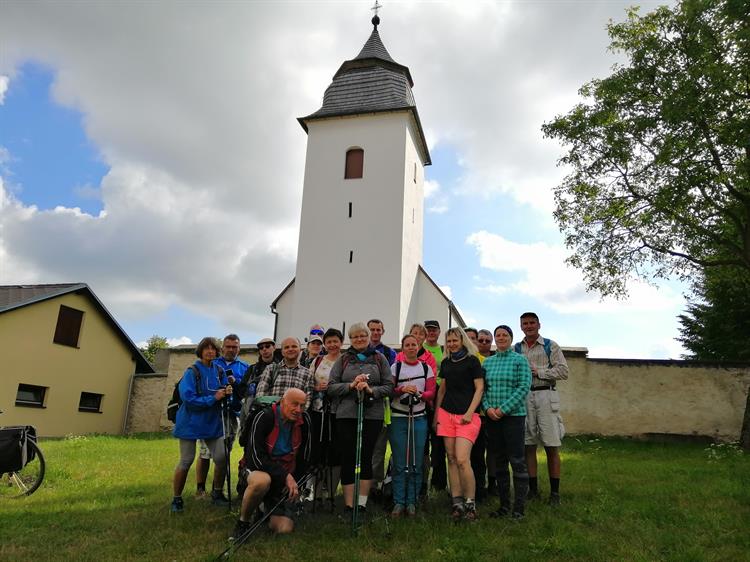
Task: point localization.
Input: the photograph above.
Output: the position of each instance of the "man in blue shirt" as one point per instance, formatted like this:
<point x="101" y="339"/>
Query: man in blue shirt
<point x="235" y="368"/>
<point x="378" y="455"/>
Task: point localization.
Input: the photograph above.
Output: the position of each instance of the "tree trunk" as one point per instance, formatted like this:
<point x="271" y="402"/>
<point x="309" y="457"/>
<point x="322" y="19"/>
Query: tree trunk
<point x="745" y="435"/>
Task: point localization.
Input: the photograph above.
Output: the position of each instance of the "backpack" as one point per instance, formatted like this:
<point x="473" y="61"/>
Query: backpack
<point x="176" y="401"/>
<point x="253" y="406"/>
<point x="398" y="371"/>
<point x="547" y="349"/>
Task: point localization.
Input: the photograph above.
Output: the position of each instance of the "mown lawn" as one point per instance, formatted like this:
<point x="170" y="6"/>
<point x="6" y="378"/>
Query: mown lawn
<point x="107" y="498"/>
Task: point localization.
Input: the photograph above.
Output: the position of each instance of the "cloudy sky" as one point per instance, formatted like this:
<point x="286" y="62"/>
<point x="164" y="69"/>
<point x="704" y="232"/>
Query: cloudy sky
<point x="152" y="151"/>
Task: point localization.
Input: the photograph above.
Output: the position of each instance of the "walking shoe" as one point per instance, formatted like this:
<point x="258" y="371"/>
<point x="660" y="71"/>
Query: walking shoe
<point x="458" y="512"/>
<point x="502" y="511"/>
<point x="517" y="516"/>
<point x="554" y="500"/>
<point x="218" y="498"/>
<point x="240" y="528"/>
<point x="471" y="514"/>
<point x="533" y="495"/>
<point x="398" y="511"/>
<point x="201" y="494"/>
<point x="411" y="510"/>
<point x="177" y="506"/>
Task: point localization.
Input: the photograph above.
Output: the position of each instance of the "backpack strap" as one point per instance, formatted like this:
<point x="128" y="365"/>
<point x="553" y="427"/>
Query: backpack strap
<point x="197" y="374"/>
<point x="425" y="367"/>
<point x="317" y="362"/>
<point x="548" y="351"/>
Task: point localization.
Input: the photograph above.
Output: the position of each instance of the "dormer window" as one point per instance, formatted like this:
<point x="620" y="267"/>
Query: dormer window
<point x="355" y="158"/>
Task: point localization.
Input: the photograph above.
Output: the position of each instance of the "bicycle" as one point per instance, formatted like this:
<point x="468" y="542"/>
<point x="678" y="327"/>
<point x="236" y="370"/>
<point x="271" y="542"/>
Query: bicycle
<point x="22" y="463"/>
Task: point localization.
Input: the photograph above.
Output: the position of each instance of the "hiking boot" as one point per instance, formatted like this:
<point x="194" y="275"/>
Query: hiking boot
<point x="218" y="498"/>
<point x="458" y="512"/>
<point x="554" y="500"/>
<point x="240" y="528"/>
<point x="398" y="511"/>
<point x="411" y="510"/>
<point x="533" y="495"/>
<point x="177" y="506"/>
<point x="502" y="511"/>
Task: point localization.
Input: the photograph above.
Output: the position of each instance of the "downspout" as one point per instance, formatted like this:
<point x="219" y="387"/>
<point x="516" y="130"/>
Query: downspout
<point x="127" y="403"/>
<point x="275" y="321"/>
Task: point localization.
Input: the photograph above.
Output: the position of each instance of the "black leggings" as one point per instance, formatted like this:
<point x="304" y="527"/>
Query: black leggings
<point x="346" y="437"/>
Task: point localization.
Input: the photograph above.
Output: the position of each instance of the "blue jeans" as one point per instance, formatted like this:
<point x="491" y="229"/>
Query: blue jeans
<point x="397" y="434"/>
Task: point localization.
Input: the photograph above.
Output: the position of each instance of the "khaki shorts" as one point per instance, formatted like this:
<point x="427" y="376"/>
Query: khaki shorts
<point x="544" y="425"/>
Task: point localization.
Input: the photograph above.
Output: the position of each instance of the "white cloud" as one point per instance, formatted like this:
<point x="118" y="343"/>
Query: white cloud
<point x="431" y="187"/>
<point x="447" y="290"/>
<point x="4" y="80"/>
<point x="541" y="273"/>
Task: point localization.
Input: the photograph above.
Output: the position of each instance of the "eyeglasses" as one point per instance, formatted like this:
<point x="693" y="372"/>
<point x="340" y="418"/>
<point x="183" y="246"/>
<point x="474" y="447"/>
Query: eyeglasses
<point x="484" y="341"/>
<point x="316" y="332"/>
<point x="265" y="346"/>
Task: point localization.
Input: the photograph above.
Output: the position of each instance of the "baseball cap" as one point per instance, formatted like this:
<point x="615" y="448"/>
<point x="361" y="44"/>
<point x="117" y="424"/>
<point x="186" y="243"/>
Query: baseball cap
<point x="267" y="340"/>
<point x="315" y="338"/>
<point x="432" y="324"/>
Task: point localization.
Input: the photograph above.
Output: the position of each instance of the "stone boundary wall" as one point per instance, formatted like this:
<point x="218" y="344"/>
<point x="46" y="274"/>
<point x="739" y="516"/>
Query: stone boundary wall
<point x="626" y="397"/>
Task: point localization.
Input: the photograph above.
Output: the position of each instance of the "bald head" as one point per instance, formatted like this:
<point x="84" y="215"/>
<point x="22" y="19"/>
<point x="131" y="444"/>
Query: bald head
<point x="293" y="404"/>
<point x="290" y="349"/>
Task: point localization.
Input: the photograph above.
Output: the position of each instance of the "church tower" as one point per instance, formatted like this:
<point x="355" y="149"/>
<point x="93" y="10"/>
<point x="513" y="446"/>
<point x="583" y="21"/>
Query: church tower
<point x="360" y="244"/>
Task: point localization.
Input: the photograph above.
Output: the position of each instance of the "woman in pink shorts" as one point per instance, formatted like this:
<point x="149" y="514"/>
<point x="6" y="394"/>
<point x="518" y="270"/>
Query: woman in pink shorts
<point x="457" y="421"/>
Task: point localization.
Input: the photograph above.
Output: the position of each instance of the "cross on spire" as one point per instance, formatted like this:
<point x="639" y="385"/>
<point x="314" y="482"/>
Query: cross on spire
<point x="376" y="7"/>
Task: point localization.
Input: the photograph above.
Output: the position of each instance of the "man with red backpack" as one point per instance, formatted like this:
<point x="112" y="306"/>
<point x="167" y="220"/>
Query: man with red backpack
<point x="277" y="455"/>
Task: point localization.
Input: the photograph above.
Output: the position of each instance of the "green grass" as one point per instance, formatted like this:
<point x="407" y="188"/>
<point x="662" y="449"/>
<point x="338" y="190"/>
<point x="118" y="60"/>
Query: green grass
<point x="107" y="498"/>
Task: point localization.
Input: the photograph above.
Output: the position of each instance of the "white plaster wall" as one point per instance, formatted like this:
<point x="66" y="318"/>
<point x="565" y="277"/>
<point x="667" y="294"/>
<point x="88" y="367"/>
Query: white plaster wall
<point x="284" y="308"/>
<point x="328" y="289"/>
<point x="431" y="305"/>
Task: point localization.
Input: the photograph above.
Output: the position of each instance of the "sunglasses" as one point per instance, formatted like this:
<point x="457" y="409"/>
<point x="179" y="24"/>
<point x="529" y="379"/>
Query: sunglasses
<point x="484" y="341"/>
<point x="316" y="332"/>
<point x="265" y="346"/>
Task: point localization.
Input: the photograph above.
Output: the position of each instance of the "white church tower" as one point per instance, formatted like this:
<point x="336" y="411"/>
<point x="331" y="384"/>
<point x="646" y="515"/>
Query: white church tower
<point x="360" y="244"/>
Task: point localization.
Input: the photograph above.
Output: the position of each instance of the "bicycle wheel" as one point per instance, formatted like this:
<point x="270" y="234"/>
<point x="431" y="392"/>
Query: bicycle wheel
<point x="25" y="481"/>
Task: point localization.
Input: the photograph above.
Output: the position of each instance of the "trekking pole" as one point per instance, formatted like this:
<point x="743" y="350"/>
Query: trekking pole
<point x="413" y="455"/>
<point x="231" y="549"/>
<point x="407" y="467"/>
<point x="227" y="451"/>
<point x="357" y="464"/>
<point x="329" y="461"/>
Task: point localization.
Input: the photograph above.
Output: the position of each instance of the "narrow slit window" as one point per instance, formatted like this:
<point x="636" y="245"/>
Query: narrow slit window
<point x="415" y="172"/>
<point x="30" y="395"/>
<point x="68" y="327"/>
<point x="351" y="256"/>
<point x="90" y="402"/>
<point x="355" y="158"/>
<point x="350" y="209"/>
<point x="343" y="327"/>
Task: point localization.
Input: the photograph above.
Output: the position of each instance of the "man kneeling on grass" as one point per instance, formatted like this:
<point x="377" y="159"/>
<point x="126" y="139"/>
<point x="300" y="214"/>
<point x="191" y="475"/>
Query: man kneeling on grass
<point x="277" y="454"/>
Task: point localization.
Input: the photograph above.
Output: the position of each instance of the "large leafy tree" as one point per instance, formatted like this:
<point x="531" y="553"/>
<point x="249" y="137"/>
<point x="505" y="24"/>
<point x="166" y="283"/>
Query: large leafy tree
<point x="659" y="151"/>
<point x="716" y="325"/>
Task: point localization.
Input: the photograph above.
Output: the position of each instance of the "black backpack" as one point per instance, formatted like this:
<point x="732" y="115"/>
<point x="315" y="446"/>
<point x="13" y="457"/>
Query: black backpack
<point x="176" y="401"/>
<point x="253" y="405"/>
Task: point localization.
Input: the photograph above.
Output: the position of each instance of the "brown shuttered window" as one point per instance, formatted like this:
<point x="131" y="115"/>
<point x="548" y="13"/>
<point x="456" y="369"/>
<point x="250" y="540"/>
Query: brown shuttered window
<point x="354" y="163"/>
<point x="68" y="326"/>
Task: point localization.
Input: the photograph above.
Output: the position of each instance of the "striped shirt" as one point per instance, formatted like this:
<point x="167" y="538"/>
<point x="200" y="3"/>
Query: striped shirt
<point x="506" y="382"/>
<point x="286" y="378"/>
<point x="548" y="370"/>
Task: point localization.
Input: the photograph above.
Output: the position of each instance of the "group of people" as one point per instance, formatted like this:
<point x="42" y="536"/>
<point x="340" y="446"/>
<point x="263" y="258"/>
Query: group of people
<point x="300" y="417"/>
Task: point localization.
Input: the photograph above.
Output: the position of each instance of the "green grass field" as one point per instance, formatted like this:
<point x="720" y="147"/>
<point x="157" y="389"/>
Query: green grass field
<point x="107" y="498"/>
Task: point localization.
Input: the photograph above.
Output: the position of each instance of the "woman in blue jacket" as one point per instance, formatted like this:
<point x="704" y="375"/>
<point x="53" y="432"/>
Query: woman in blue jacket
<point x="202" y="388"/>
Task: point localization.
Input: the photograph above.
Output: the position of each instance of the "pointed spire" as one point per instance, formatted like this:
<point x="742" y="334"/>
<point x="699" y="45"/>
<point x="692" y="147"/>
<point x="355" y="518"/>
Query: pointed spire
<point x="374" y="48"/>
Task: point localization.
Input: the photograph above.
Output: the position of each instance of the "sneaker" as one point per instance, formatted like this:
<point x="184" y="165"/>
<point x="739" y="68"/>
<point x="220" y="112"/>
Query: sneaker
<point x="398" y="511"/>
<point x="517" y="516"/>
<point x="471" y="514"/>
<point x="533" y="495"/>
<point x="502" y="511"/>
<point x="411" y="510"/>
<point x="218" y="498"/>
<point x="458" y="512"/>
<point x="201" y="494"/>
<point x="554" y="500"/>
<point x="240" y="528"/>
<point x="177" y="506"/>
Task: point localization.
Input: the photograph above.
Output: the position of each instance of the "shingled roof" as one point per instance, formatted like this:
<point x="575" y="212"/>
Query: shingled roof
<point x="371" y="82"/>
<point x="18" y="296"/>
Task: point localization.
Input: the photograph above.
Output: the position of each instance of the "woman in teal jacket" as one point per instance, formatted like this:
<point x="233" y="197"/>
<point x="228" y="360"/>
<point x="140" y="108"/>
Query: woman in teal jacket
<point x="202" y="388"/>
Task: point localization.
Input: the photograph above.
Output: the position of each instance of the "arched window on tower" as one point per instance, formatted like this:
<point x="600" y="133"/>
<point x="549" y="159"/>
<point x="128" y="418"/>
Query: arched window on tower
<point x="355" y="158"/>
